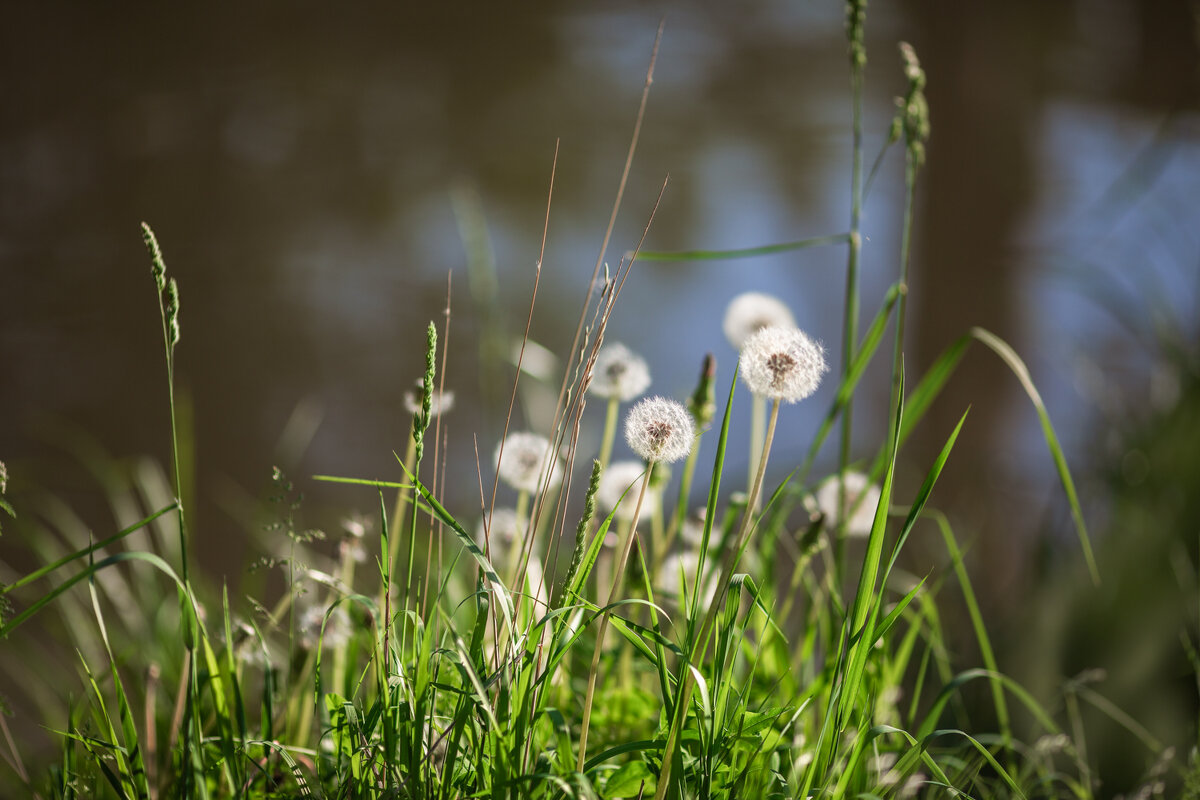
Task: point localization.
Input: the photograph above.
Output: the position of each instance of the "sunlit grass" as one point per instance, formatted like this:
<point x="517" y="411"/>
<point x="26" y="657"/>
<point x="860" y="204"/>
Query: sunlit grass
<point x="764" y="648"/>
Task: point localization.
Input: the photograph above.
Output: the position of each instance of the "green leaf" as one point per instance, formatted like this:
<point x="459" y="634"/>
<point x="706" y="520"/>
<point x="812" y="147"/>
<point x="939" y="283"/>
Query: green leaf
<point x="745" y="252"/>
<point x="629" y="780"/>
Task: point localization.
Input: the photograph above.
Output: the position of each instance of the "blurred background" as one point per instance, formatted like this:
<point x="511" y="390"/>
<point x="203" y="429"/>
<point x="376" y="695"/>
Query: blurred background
<point x="315" y="174"/>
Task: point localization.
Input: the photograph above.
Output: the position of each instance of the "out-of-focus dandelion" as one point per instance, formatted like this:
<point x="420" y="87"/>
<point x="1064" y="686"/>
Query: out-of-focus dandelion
<point x="613" y="494"/>
<point x="337" y="628"/>
<point x="862" y="498"/>
<point x="750" y="312"/>
<point x="505" y="530"/>
<point x="439" y="402"/>
<point x="619" y="373"/>
<point x="524" y="461"/>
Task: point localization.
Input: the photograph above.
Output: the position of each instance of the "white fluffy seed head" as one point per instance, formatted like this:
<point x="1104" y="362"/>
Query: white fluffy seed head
<point x="749" y="313"/>
<point x="337" y="628"/>
<point x="619" y="372"/>
<point x="523" y="461"/>
<point x="782" y="363"/>
<point x="439" y="403"/>
<point x="505" y="533"/>
<point x="615" y="480"/>
<point x="862" y="498"/>
<point x="505" y="528"/>
<point x="660" y="430"/>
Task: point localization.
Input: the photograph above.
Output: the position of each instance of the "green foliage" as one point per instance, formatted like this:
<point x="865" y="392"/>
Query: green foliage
<point x="821" y="670"/>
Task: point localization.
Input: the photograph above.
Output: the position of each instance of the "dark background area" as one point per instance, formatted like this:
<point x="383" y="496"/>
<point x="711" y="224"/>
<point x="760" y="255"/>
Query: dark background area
<point x="302" y="165"/>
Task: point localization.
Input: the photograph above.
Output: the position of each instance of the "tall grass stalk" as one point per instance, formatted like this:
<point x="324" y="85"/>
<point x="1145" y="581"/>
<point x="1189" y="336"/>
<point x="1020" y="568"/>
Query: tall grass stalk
<point x="856" y="11"/>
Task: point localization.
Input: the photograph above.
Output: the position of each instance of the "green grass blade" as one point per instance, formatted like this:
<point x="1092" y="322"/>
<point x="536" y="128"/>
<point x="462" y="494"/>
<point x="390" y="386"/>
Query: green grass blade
<point x="918" y="505"/>
<point x="1014" y="363"/>
<point x="853" y="375"/>
<point x="866" y="601"/>
<point x="91" y="569"/>
<point x="745" y="252"/>
<point x="100" y="545"/>
<point x="468" y="541"/>
<point x="981" y="634"/>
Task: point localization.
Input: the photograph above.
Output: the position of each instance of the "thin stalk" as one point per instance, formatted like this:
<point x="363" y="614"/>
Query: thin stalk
<point x="700" y="643"/>
<point x="517" y="546"/>
<point x="856" y="11"/>
<point x="758" y="418"/>
<point x="681" y="507"/>
<point x="403" y="495"/>
<point x="910" y="181"/>
<point x="610" y="431"/>
<point x="617" y="579"/>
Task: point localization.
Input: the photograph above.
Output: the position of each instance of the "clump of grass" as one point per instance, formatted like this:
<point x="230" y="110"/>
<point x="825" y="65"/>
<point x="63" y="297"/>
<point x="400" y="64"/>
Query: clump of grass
<point x="821" y="678"/>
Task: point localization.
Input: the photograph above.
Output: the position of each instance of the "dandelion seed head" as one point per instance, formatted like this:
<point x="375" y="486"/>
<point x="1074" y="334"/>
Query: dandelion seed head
<point x="505" y="528"/>
<point x="749" y="313"/>
<point x="658" y="429"/>
<point x="683" y="565"/>
<point x="523" y="461"/>
<point x="440" y="402"/>
<point x="249" y="647"/>
<point x="911" y="786"/>
<point x="862" y="498"/>
<point x="1051" y="743"/>
<point x="337" y="628"/>
<point x="619" y="476"/>
<point x="619" y="372"/>
<point x="691" y="532"/>
<point x="782" y="363"/>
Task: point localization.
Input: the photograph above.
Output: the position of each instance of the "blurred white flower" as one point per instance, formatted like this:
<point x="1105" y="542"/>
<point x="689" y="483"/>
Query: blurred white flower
<point x="439" y="402"/>
<point x="681" y="566"/>
<point x="749" y="313"/>
<point x="505" y="530"/>
<point x="782" y="364"/>
<point x="619" y="476"/>
<point x="619" y="372"/>
<point x="911" y="786"/>
<point x="523" y="461"/>
<point x="658" y="429"/>
<point x="862" y="497"/>
<point x="692" y="530"/>
<point x="337" y="628"/>
<point x="357" y="525"/>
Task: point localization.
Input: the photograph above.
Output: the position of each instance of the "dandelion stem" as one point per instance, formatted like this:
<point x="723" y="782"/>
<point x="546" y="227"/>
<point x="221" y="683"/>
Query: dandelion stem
<point x="700" y="643"/>
<point x="856" y="12"/>
<point x="758" y="416"/>
<point x="610" y="431"/>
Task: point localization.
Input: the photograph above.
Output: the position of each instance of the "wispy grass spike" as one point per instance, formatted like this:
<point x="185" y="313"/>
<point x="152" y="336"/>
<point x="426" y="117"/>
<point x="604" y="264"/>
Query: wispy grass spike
<point x="172" y="312"/>
<point x="157" y="266"/>
<point x="421" y="421"/>
<point x="589" y="510"/>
